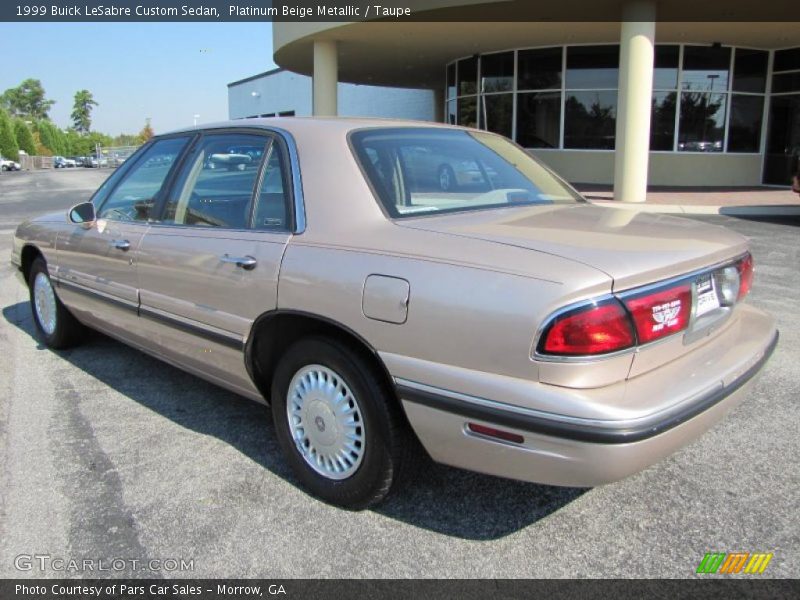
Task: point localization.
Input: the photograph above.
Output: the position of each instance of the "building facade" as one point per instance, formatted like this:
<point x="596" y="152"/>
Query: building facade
<point x="635" y="101"/>
<point x="282" y="93"/>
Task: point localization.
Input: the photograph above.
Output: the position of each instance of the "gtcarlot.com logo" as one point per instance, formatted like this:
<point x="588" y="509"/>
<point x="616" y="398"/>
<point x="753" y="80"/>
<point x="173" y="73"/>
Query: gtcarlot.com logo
<point x="46" y="562"/>
<point x="734" y="562"/>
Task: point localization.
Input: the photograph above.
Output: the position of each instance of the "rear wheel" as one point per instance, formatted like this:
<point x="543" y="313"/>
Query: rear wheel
<point x="340" y="432"/>
<point x="54" y="323"/>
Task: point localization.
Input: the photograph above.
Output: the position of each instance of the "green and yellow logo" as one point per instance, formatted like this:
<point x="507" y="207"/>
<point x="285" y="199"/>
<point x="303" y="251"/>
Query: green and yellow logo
<point x="734" y="562"/>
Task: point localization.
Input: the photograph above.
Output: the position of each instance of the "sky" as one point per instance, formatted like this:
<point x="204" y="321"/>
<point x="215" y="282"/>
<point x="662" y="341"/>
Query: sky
<point x="167" y="72"/>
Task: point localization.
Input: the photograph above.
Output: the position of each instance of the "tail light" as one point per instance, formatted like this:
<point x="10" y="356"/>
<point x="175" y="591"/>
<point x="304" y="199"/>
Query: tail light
<point x="593" y="329"/>
<point x="745" y="267"/>
<point x="661" y="313"/>
<point x="638" y="317"/>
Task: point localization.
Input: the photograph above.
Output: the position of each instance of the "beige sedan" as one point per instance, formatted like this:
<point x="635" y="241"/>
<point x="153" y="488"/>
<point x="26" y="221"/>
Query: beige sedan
<point x="510" y="328"/>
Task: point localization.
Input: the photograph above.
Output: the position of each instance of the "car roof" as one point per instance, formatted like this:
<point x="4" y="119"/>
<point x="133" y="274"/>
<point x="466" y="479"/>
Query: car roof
<point x="333" y="125"/>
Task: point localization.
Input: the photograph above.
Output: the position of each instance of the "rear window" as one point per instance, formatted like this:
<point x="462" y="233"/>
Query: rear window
<point x="417" y="171"/>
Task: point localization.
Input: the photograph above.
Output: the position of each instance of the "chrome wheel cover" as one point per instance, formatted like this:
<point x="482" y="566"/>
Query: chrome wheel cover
<point x="44" y="302"/>
<point x="325" y="422"/>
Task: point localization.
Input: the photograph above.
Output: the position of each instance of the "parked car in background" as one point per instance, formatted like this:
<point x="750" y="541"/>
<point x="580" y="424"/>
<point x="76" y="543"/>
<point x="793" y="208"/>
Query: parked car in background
<point x="92" y="162"/>
<point x="510" y="328"/>
<point x="60" y="162"/>
<point x="233" y="159"/>
<point x="9" y="165"/>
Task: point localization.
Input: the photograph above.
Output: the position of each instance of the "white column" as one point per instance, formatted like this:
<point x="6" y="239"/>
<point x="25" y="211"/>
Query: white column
<point x="325" y="79"/>
<point x="637" y="47"/>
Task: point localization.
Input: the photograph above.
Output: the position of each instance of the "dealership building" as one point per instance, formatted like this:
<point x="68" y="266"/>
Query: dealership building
<point x="643" y="98"/>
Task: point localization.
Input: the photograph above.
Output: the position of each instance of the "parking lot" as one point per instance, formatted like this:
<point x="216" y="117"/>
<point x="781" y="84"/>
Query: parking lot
<point x="107" y="453"/>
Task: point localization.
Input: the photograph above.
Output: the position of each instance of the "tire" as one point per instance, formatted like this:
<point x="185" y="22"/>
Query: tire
<point x="447" y="178"/>
<point x="55" y="325"/>
<point x="321" y="379"/>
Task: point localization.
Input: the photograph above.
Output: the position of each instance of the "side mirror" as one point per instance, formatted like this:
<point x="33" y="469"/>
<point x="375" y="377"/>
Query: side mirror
<point x="82" y="214"/>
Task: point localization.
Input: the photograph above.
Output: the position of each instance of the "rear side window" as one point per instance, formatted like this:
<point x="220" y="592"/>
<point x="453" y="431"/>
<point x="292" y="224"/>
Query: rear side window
<point x="417" y="171"/>
<point x="135" y="196"/>
<point x="272" y="209"/>
<point x="217" y="183"/>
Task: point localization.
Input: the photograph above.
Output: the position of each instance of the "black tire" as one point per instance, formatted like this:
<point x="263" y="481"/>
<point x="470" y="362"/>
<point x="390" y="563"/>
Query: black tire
<point x="447" y="178"/>
<point x="387" y="440"/>
<point x="67" y="331"/>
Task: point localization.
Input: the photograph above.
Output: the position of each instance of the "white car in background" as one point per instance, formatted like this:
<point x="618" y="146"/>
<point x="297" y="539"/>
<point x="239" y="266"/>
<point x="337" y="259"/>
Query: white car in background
<point x="9" y="165"/>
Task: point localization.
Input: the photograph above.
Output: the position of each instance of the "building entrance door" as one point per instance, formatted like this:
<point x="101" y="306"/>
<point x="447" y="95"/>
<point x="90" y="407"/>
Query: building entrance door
<point x="783" y="140"/>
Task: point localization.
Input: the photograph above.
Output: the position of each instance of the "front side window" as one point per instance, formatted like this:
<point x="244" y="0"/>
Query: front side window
<point x="216" y="185"/>
<point x="416" y="171"/>
<point x="135" y="196"/>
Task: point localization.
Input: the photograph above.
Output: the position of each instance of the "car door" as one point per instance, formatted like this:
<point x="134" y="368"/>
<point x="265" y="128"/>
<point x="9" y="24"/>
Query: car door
<point x="96" y="270"/>
<point x="210" y="266"/>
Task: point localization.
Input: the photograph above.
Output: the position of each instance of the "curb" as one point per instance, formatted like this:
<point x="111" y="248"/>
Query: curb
<point x="773" y="210"/>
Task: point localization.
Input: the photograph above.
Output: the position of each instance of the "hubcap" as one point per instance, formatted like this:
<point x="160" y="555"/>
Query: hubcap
<point x="44" y="301"/>
<point x="325" y="422"/>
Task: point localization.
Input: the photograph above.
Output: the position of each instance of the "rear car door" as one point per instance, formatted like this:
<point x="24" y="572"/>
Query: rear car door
<point x="210" y="266"/>
<point x="97" y="265"/>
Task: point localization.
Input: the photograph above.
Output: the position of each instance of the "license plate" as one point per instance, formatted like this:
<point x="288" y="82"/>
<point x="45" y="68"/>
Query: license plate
<point x="707" y="299"/>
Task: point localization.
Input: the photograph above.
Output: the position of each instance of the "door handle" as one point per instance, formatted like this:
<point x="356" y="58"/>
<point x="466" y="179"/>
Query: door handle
<point x="123" y="245"/>
<point x="247" y="263"/>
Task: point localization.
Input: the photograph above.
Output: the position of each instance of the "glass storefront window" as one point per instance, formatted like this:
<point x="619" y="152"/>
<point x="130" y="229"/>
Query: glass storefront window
<point x="467" y="76"/>
<point x="590" y="120"/>
<point x="706" y="68"/>
<point x="785" y="82"/>
<point x="497" y="113"/>
<point x="665" y="74"/>
<point x="702" y="122"/>
<point x="662" y="121"/>
<point x="787" y="60"/>
<point x="538" y="119"/>
<point x="539" y="69"/>
<point x="750" y="71"/>
<point x="744" y="130"/>
<point x="497" y="72"/>
<point x="467" y="111"/>
<point x="710" y="97"/>
<point x="451" y="81"/>
<point x="592" y="67"/>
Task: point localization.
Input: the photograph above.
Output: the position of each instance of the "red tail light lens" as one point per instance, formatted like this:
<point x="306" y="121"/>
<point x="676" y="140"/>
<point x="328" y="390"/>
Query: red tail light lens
<point x="661" y="313"/>
<point x="594" y="329"/>
<point x="745" y="267"/>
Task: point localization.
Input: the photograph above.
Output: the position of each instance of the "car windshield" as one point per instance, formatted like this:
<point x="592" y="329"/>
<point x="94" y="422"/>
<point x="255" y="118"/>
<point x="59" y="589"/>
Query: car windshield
<point x="417" y="171"/>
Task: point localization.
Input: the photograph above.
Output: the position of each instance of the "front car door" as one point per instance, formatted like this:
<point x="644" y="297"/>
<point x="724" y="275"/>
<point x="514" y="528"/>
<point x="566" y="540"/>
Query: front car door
<point x="209" y="267"/>
<point x="97" y="265"/>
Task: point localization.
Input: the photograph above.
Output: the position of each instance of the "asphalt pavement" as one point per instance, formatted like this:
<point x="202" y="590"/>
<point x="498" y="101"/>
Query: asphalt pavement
<point x="106" y="453"/>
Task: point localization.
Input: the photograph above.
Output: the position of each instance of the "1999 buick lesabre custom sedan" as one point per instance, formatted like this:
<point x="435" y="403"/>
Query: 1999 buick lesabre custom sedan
<point x="505" y="323"/>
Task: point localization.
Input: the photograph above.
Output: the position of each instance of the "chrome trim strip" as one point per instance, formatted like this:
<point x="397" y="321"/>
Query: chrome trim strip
<point x="572" y="428"/>
<point x="219" y="337"/>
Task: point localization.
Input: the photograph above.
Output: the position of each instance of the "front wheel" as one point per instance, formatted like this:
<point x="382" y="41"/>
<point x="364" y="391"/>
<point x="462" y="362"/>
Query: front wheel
<point x="340" y="432"/>
<point x="54" y="323"/>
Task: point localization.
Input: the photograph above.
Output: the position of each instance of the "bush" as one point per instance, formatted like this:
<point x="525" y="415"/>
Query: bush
<point x="24" y="136"/>
<point x="8" y="140"/>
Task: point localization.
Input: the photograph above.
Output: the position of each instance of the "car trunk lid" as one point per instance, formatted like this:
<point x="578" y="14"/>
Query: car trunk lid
<point x="632" y="248"/>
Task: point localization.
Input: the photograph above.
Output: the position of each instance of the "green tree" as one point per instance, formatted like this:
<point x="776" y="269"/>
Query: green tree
<point x="82" y="111"/>
<point x="51" y="137"/>
<point x="24" y="136"/>
<point x="27" y="100"/>
<point x="146" y="133"/>
<point x="8" y="140"/>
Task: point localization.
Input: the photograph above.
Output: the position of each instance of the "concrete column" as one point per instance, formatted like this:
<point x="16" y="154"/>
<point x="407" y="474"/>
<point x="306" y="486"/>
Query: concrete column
<point x="325" y="80"/>
<point x="637" y="47"/>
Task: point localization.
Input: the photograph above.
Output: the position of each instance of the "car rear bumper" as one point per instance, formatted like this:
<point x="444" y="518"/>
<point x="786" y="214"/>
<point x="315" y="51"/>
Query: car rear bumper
<point x="564" y="450"/>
